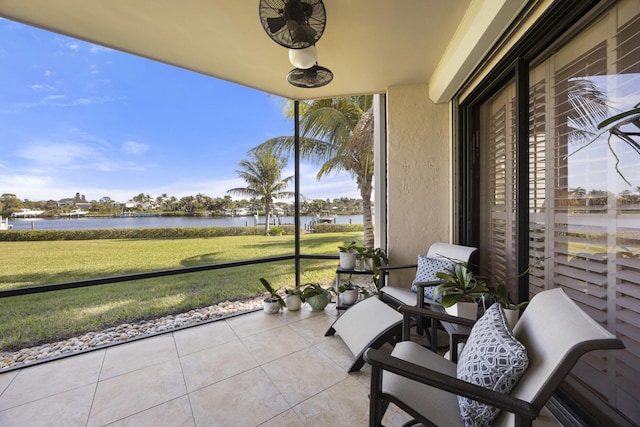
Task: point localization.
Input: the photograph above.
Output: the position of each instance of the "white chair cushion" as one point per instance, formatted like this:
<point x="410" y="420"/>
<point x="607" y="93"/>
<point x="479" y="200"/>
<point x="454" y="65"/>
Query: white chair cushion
<point x="492" y="358"/>
<point x="426" y="272"/>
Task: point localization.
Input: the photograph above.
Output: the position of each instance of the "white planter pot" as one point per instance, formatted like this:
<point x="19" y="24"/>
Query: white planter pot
<point x="348" y="260"/>
<point x="468" y="310"/>
<point x="348" y="297"/>
<point x="512" y="316"/>
<point x="368" y="264"/>
<point x="270" y="307"/>
<point x="293" y="302"/>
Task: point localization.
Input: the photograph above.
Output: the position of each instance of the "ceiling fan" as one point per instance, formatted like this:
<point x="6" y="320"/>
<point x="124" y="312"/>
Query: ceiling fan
<point x="294" y="24"/>
<point x="315" y="76"/>
<point x="298" y="25"/>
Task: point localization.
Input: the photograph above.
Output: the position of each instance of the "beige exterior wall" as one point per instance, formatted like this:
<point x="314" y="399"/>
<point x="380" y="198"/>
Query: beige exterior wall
<point x="418" y="151"/>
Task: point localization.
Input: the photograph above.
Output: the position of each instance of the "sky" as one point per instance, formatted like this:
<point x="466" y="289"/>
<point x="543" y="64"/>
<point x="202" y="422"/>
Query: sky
<point x="80" y="118"/>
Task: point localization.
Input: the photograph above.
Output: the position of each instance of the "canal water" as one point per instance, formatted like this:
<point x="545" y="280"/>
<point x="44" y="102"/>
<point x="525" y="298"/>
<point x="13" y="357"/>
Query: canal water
<point x="160" y="222"/>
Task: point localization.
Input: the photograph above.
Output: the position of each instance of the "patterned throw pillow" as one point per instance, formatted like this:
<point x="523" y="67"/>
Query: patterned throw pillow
<point x="426" y="272"/>
<point x="492" y="358"/>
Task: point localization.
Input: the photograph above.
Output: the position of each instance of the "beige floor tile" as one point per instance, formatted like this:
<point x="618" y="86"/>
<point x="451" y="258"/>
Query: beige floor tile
<point x="303" y="374"/>
<point x="137" y="355"/>
<point x="344" y="404"/>
<point x="125" y="395"/>
<point x="202" y="337"/>
<point x="247" y="399"/>
<point x="287" y="419"/>
<point x="6" y="379"/>
<point x="214" y="364"/>
<point x="363" y="376"/>
<point x="274" y="344"/>
<point x="253" y="323"/>
<point x="288" y="316"/>
<point x="395" y="417"/>
<point x="69" y="409"/>
<point x="175" y="413"/>
<point x="314" y="328"/>
<point x="48" y="379"/>
<point x="337" y="351"/>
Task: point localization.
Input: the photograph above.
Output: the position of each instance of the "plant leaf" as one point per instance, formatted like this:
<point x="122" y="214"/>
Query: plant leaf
<point x="617" y="117"/>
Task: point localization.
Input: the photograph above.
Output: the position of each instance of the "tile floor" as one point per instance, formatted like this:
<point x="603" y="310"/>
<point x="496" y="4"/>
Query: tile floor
<point x="251" y="370"/>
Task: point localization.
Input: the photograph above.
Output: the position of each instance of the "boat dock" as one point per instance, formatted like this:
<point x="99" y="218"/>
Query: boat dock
<point x="4" y="224"/>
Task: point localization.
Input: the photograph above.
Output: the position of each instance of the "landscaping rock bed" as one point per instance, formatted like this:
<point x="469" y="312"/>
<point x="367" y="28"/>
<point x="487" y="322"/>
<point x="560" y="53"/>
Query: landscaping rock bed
<point x="124" y="332"/>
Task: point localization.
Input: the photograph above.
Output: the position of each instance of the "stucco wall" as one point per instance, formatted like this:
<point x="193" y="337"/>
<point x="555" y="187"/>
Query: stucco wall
<point x="418" y="175"/>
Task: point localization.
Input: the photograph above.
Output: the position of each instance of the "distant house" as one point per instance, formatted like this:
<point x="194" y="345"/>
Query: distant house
<point x="126" y="205"/>
<point x="71" y="202"/>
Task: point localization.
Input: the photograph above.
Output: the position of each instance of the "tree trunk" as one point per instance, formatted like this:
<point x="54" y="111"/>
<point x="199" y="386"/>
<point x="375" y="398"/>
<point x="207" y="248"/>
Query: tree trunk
<point x="367" y="215"/>
<point x="267" y="214"/>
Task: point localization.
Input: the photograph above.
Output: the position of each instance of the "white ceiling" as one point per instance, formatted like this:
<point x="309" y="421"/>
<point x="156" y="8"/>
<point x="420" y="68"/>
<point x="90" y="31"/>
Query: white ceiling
<point x="369" y="45"/>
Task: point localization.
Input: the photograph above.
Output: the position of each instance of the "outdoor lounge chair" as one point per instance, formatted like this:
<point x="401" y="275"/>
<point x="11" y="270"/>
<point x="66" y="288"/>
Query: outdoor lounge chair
<point x="438" y="258"/>
<point x="420" y="294"/>
<point x="372" y="323"/>
<point x="369" y="323"/>
<point x="553" y="330"/>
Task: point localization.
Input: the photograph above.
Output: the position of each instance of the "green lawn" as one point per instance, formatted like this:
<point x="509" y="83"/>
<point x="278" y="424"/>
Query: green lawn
<point x="52" y="316"/>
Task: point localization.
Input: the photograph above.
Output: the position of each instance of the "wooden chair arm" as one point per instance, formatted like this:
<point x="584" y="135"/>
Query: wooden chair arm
<point x="408" y="311"/>
<point x="396" y="267"/>
<point x="384" y="271"/>
<point x="420" y="291"/>
<point x="382" y="361"/>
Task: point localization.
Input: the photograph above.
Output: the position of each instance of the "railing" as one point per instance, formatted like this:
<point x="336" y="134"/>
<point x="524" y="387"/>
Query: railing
<point x="29" y="290"/>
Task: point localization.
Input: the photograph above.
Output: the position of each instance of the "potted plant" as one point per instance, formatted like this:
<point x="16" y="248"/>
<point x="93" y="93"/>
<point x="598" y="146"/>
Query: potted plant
<point x="460" y="291"/>
<point x="293" y="298"/>
<point x="348" y="254"/>
<point x="349" y="292"/>
<point x="373" y="259"/>
<point x="274" y="302"/>
<point x="316" y="296"/>
<point x="511" y="310"/>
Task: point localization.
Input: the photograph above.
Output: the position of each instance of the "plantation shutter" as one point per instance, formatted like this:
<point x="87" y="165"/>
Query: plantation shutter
<point x="584" y="217"/>
<point x="498" y="190"/>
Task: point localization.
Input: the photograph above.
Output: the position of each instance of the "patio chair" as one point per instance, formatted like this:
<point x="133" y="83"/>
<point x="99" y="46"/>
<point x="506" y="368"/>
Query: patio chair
<point x="440" y="256"/>
<point x="368" y="324"/>
<point x="552" y="335"/>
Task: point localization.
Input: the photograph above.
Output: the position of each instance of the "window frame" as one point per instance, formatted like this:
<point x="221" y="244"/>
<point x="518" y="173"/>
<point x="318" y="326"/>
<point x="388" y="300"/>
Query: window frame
<point x="558" y="24"/>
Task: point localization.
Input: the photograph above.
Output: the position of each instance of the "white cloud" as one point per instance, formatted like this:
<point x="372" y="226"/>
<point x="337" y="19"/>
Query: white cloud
<point x="58" y="101"/>
<point x="133" y="147"/>
<point x="58" y="154"/>
<point x="26" y="186"/>
<point x="94" y="48"/>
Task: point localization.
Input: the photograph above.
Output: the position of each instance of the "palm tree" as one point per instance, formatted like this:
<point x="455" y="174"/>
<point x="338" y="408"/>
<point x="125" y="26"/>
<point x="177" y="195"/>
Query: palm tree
<point x="337" y="134"/>
<point x="263" y="175"/>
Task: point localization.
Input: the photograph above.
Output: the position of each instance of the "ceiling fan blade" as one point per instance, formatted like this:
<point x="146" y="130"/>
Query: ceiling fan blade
<point x="302" y="33"/>
<point x="276" y="24"/>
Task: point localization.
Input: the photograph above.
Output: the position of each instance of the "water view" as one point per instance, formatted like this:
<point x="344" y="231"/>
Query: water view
<point x="161" y="222"/>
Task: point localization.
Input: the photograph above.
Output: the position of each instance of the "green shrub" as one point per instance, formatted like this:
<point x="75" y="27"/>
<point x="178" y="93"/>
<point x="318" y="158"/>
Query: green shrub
<point x="134" y="233"/>
<point x="337" y="228"/>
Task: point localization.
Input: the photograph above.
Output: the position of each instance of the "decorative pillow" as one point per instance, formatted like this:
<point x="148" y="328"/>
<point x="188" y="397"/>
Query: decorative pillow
<point x="426" y="272"/>
<point x="492" y="358"/>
